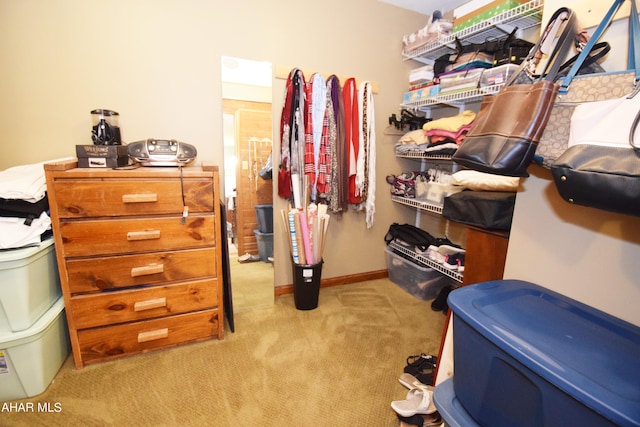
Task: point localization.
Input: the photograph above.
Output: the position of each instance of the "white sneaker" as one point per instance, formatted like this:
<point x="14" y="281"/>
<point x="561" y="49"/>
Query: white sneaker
<point x="434" y="254"/>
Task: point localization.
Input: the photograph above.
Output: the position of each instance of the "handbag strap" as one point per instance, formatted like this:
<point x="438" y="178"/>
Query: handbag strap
<point x="634" y="44"/>
<point x="561" y="46"/>
<point x="599" y="51"/>
<point x="632" y="133"/>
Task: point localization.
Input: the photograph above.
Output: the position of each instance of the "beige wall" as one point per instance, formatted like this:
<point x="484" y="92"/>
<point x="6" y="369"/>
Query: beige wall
<point x="157" y="62"/>
<point x="589" y="255"/>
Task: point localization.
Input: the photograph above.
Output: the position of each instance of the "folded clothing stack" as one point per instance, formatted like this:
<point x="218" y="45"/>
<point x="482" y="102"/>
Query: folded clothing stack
<point x="24" y="218"/>
<point x="440" y="136"/>
<point x="449" y="129"/>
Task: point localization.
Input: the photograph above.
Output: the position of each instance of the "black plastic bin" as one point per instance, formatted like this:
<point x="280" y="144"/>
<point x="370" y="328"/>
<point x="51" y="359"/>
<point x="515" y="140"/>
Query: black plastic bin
<point x="306" y="285"/>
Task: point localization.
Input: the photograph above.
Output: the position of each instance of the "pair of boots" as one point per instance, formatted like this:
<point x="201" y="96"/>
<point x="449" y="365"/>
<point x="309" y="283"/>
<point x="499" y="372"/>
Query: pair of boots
<point x="440" y="302"/>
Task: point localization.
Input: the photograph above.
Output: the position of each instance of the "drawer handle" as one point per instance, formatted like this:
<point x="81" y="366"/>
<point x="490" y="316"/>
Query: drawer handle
<point x="143" y="235"/>
<point x="149" y="304"/>
<point x="153" y="335"/>
<point x="139" y="198"/>
<point x="147" y="269"/>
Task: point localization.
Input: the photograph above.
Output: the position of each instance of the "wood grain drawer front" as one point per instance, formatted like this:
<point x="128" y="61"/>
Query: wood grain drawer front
<point x="98" y="198"/>
<point x="122" y="236"/>
<point x="109" y="273"/>
<point x="146" y="303"/>
<point x="130" y="338"/>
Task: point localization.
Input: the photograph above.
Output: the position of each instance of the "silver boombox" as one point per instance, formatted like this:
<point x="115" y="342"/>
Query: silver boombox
<point x="161" y="152"/>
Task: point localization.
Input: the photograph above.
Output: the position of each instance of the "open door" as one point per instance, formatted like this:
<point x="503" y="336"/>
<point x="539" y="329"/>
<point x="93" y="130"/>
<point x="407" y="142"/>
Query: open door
<point x="253" y="148"/>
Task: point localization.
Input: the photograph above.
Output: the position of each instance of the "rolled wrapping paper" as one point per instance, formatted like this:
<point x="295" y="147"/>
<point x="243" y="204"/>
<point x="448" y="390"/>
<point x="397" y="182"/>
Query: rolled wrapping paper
<point x="304" y="229"/>
<point x="307" y="233"/>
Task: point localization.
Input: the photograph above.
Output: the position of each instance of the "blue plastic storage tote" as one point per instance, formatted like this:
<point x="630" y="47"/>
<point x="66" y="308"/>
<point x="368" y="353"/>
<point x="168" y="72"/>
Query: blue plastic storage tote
<point x="449" y="406"/>
<point x="528" y="356"/>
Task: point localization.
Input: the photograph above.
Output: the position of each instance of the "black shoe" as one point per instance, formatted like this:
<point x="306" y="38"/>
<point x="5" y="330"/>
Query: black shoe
<point x="440" y="302"/>
<point x="422" y="420"/>
<point x="445" y="309"/>
<point x="422" y="367"/>
<point x="414" y="420"/>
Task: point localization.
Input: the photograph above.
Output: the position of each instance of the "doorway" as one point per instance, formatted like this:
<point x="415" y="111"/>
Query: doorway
<point x="247" y="133"/>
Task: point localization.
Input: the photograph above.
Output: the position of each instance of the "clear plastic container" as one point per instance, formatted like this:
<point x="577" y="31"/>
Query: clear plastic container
<point x="497" y="75"/>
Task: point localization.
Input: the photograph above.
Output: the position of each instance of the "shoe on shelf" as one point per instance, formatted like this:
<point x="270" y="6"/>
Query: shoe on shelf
<point x="449" y="250"/>
<point x="454" y="261"/>
<point x="461" y="264"/>
<point x="435" y="255"/>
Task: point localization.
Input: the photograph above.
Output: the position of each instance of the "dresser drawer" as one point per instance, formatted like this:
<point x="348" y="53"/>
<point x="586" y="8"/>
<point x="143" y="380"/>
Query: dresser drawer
<point x="143" y="303"/>
<point x="131" y="235"/>
<point x="99" y="198"/>
<point x="109" y="273"/>
<point x="130" y="338"/>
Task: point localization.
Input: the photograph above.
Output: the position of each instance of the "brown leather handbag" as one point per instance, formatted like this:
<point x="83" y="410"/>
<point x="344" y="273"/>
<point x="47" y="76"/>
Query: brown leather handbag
<point x="509" y="124"/>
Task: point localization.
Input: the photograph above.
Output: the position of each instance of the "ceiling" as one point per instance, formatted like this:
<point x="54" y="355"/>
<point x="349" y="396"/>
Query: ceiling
<point x="426" y="7"/>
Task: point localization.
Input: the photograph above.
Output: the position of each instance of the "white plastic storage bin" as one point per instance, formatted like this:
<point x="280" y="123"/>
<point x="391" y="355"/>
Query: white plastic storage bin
<point x="30" y="359"/>
<point x="422" y="282"/>
<point x="29" y="285"/>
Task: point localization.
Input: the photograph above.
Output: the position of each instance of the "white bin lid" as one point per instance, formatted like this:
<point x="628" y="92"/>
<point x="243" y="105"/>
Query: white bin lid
<point x="9" y="256"/>
<point x="14" y="339"/>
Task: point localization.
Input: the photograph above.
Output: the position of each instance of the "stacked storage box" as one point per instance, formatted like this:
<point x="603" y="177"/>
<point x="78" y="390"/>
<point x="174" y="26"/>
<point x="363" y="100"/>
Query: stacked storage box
<point x="527" y="356"/>
<point x="420" y="281"/>
<point x="33" y="335"/>
<point x="476" y="11"/>
<point x="264" y="233"/>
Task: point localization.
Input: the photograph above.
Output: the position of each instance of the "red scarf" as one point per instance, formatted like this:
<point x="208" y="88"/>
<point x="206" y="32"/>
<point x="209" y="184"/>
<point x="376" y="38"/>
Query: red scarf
<point x="352" y="132"/>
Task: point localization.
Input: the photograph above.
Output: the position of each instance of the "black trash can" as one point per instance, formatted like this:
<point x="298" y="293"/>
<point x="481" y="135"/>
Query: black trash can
<point x="306" y="285"/>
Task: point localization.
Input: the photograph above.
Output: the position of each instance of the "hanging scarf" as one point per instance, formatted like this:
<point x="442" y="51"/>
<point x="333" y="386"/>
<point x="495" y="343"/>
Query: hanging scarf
<point x="291" y="134"/>
<point x="338" y="191"/>
<point x="366" y="163"/>
<point x="352" y="137"/>
<point x="316" y="98"/>
<point x="325" y="160"/>
<point x="284" y="168"/>
<point x="309" y="164"/>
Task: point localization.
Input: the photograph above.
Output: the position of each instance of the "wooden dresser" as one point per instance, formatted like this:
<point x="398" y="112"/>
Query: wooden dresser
<point x="138" y="270"/>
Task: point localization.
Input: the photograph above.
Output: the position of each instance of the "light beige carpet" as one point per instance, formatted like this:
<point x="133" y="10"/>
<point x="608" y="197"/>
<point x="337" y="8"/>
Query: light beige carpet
<point x="337" y="365"/>
<point x="252" y="283"/>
